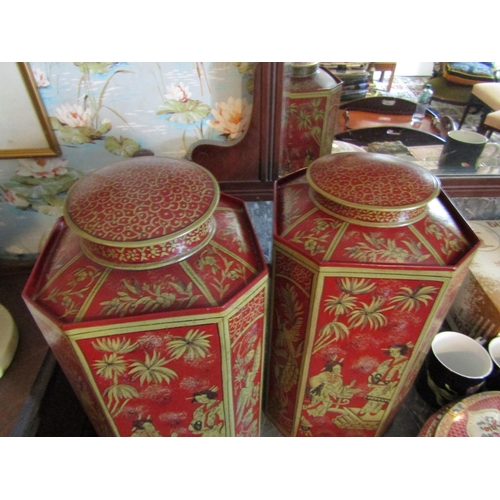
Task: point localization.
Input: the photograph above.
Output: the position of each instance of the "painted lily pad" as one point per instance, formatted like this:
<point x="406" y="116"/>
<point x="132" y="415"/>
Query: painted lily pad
<point x="121" y="147"/>
<point x="190" y="111"/>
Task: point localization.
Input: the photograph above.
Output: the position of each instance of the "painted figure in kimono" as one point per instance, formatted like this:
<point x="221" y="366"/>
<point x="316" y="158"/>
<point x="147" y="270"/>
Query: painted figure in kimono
<point x="385" y="378"/>
<point x="144" y="427"/>
<point x="327" y="389"/>
<point x="208" y="418"/>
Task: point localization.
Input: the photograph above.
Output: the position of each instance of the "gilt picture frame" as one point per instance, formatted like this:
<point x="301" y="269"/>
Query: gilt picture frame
<point x="25" y="129"/>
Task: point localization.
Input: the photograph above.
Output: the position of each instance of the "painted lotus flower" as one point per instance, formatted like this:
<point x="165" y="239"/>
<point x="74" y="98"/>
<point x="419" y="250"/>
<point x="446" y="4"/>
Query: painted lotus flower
<point x="42" y="167"/>
<point x="15" y="199"/>
<point x="40" y="78"/>
<point x="74" y="115"/>
<point x="178" y="92"/>
<point x="179" y="108"/>
<point x="231" y="117"/>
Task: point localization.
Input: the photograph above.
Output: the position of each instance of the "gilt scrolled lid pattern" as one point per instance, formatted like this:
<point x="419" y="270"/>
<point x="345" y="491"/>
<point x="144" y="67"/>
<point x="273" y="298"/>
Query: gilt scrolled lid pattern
<point x="143" y="212"/>
<point x="371" y="189"/>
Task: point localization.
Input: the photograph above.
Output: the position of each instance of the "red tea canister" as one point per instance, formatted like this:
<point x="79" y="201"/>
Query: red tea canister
<point x="151" y="292"/>
<point x="369" y="254"/>
<point x="311" y="99"/>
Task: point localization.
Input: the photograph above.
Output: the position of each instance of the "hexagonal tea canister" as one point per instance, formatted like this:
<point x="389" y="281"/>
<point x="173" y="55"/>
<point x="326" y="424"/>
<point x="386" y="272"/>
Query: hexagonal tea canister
<point x="369" y="254"/>
<point x="151" y="292"/>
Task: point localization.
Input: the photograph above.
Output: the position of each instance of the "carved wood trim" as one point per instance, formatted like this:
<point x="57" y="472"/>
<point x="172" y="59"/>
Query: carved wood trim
<point x="249" y="158"/>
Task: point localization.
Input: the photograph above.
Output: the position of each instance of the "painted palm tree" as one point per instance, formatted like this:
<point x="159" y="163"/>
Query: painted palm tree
<point x="152" y="369"/>
<point x="194" y="345"/>
<point x="111" y="367"/>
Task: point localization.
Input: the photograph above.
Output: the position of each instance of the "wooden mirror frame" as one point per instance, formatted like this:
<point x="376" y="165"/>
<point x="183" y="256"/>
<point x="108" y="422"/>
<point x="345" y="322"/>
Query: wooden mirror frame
<point x="246" y="168"/>
<point x="255" y="155"/>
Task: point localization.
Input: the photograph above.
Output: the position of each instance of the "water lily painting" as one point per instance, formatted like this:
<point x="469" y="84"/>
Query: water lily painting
<point x="105" y="112"/>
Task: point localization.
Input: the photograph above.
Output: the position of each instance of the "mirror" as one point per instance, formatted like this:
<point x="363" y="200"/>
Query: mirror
<point x="466" y="182"/>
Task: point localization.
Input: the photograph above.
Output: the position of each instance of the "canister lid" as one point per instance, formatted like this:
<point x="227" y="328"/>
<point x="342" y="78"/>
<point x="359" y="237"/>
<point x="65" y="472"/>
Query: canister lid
<point x="143" y="213"/>
<point x="304" y="68"/>
<point x="371" y="189"/>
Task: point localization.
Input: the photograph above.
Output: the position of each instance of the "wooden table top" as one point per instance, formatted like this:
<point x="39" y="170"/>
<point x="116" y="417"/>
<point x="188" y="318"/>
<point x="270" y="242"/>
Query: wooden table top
<point x="355" y="119"/>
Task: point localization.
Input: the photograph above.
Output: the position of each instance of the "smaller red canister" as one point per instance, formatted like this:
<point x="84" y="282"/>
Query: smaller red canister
<point x="311" y="99"/>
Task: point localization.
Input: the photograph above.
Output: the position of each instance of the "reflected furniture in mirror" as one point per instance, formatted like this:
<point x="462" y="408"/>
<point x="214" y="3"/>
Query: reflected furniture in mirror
<point x="390" y="112"/>
<point x="355" y="78"/>
<point x="452" y="82"/>
<point x="407" y="136"/>
<point x="383" y="67"/>
<point x="486" y="97"/>
<point x="448" y="92"/>
<point x="492" y="123"/>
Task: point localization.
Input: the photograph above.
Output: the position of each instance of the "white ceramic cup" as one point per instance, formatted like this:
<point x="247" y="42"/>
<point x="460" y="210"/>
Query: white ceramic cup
<point x="462" y="355"/>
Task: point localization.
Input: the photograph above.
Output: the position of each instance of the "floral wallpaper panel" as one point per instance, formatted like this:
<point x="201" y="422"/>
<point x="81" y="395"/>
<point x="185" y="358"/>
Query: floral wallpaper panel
<point x="104" y="112"/>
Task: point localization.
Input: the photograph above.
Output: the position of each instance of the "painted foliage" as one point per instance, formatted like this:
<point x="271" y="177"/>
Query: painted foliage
<point x="365" y="336"/>
<point x="160" y="383"/>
